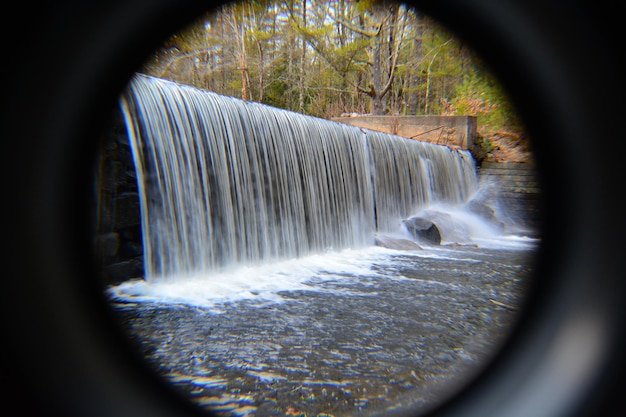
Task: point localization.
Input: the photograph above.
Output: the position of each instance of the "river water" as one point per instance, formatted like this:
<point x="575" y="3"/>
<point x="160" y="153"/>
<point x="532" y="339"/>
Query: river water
<point x="352" y="332"/>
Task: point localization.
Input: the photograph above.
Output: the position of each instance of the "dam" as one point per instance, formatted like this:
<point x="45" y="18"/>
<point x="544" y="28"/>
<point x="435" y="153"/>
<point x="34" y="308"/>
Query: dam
<point x="250" y="271"/>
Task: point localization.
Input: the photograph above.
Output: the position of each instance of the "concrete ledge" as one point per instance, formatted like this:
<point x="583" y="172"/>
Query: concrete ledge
<point x="452" y="131"/>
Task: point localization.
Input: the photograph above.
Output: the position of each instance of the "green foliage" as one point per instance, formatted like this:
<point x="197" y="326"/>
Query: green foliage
<point x="258" y="47"/>
<point x="482" y="147"/>
<point x="481" y="95"/>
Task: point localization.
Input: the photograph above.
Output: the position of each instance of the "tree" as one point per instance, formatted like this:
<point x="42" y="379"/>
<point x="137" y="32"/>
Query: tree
<point x="368" y="41"/>
<point x="330" y="57"/>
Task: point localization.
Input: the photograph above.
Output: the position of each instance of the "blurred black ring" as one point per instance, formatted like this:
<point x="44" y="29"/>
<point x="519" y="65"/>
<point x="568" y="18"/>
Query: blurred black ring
<point x="63" y="68"/>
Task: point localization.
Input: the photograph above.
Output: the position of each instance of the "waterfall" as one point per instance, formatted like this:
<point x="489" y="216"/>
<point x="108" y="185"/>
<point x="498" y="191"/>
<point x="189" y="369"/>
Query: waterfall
<point x="225" y="182"/>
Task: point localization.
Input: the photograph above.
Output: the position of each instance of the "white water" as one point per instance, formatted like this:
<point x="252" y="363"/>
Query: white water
<point x="261" y="284"/>
<point x="242" y="201"/>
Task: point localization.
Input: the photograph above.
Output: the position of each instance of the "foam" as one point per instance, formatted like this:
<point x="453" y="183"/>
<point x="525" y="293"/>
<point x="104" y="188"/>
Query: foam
<point x="326" y="272"/>
<point x="260" y="283"/>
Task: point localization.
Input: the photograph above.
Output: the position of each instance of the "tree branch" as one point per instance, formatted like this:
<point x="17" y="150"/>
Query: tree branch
<point x="175" y="59"/>
<point x="356" y="29"/>
<point x="309" y="40"/>
<point x="392" y="67"/>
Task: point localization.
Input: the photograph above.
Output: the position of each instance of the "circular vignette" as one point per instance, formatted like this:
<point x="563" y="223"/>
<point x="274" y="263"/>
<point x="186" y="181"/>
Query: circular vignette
<point x="563" y="359"/>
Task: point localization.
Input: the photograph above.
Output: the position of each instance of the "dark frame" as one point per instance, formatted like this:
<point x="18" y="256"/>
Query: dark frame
<point x="64" y="64"/>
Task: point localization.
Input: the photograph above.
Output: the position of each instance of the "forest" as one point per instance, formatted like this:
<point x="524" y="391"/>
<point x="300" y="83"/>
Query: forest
<point x="329" y="58"/>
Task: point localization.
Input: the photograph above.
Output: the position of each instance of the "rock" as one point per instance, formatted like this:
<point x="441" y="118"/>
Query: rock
<point x="107" y="244"/>
<point x="423" y="230"/>
<point x="482" y="209"/>
<point x="391" y="242"/>
<point x="130" y="250"/>
<point x="126" y="210"/>
<point x="465" y="245"/>
<point x="123" y="271"/>
<point x="451" y="228"/>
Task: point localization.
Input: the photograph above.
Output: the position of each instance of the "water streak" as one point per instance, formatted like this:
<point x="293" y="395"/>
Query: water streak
<point x="225" y="183"/>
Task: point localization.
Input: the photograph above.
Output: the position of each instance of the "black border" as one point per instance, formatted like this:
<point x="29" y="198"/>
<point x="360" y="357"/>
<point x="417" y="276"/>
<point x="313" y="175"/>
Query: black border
<point x="64" y="63"/>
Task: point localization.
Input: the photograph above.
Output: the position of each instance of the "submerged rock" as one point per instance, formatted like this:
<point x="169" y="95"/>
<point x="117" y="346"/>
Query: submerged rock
<point x="122" y="271"/>
<point x="482" y="209"/>
<point x="452" y="229"/>
<point x="391" y="242"/>
<point x="423" y="230"/>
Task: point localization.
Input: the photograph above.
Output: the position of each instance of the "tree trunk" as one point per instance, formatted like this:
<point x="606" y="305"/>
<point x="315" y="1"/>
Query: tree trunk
<point x="376" y="106"/>
<point x="376" y="102"/>
<point x="261" y="72"/>
<point x="243" y="65"/>
<point x="302" y="63"/>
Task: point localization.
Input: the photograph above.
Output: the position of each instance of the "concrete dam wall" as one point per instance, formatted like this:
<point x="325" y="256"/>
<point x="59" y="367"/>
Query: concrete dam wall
<point x="451" y="131"/>
<point x="118" y="240"/>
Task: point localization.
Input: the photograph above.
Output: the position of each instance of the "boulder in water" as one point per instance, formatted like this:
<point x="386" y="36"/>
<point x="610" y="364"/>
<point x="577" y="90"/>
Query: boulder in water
<point x="123" y="271"/>
<point x="451" y="228"/>
<point x="485" y="211"/>
<point x="482" y="209"/>
<point x="391" y="242"/>
<point x="423" y="230"/>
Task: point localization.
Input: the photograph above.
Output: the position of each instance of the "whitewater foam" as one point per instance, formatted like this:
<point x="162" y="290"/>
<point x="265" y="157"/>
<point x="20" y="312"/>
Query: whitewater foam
<point x="261" y="283"/>
<point x="267" y="283"/>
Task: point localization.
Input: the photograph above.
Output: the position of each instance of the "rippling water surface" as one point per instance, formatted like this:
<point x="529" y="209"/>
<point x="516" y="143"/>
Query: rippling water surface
<point x="355" y="332"/>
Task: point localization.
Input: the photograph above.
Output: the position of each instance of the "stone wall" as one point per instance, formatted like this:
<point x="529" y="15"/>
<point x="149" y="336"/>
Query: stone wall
<point x="452" y="131"/>
<point x="118" y="244"/>
<point x="518" y="191"/>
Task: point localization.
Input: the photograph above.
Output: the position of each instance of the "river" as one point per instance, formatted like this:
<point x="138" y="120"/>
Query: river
<point x="352" y="332"/>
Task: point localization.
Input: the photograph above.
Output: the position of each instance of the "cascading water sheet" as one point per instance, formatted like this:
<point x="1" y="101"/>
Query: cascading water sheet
<point x="224" y="182"/>
<point x="265" y="293"/>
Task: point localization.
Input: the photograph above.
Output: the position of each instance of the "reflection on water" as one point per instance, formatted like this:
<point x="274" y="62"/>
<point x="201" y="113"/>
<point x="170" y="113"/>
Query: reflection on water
<point x="355" y="332"/>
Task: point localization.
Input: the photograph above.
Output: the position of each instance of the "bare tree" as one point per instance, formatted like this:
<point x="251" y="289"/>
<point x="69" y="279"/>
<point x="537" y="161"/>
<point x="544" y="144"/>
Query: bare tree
<point x="369" y="43"/>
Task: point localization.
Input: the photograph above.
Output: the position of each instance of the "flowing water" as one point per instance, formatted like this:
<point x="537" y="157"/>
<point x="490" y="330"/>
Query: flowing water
<point x="264" y="292"/>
